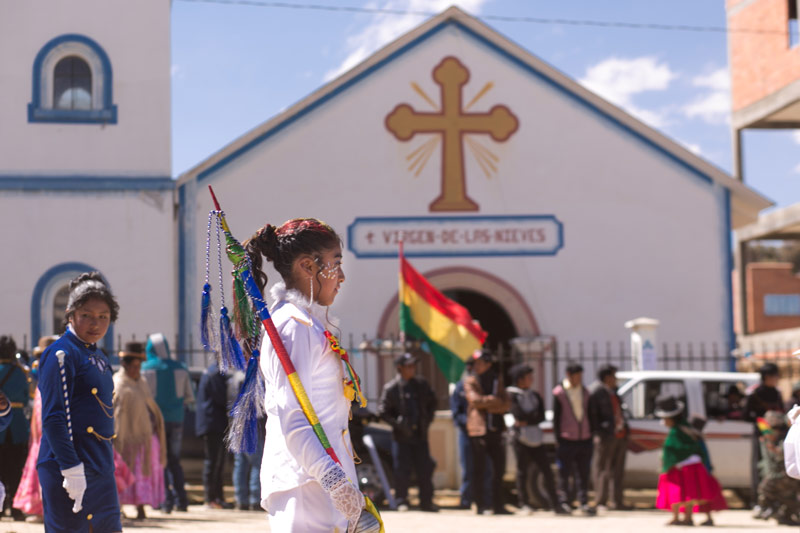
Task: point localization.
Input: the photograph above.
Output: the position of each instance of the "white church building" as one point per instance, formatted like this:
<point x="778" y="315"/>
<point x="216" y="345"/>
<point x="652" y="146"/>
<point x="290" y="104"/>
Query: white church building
<point x="546" y="210"/>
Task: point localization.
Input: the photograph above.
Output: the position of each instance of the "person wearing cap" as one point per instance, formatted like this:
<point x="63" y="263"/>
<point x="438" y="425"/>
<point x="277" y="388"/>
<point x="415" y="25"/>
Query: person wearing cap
<point x="573" y="438"/>
<point x="171" y="385"/>
<point x="487" y="402"/>
<point x="27" y="498"/>
<point x="140" y="432"/>
<point x="527" y="407"/>
<point x="408" y="404"/>
<point x="13" y="440"/>
<point x="765" y="397"/>
<point x="685" y="483"/>
<point x="610" y="438"/>
<point x="76" y="457"/>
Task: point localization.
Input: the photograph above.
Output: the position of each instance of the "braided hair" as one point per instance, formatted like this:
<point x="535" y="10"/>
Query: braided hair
<point x="283" y="245"/>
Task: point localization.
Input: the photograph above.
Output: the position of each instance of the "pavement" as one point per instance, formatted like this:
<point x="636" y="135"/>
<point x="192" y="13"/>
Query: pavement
<point x="199" y="519"/>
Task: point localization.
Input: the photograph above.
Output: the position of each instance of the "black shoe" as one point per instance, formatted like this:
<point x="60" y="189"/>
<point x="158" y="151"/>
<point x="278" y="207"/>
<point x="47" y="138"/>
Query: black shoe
<point x="563" y="509"/>
<point x="588" y="510"/>
<point x="225" y="505"/>
<point x="243" y="506"/>
<point x="502" y="510"/>
<point x="17" y="515"/>
<point x="465" y="505"/>
<point x="166" y="508"/>
<point x="429" y="508"/>
<point x="182" y="508"/>
<point x="140" y="514"/>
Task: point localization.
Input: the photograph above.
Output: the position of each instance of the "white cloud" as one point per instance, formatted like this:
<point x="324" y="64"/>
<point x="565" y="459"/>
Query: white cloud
<point x="797" y="169"/>
<point x="796" y="136"/>
<point x="620" y="80"/>
<point x="692" y="147"/>
<point x="384" y="27"/>
<point x="713" y="107"/>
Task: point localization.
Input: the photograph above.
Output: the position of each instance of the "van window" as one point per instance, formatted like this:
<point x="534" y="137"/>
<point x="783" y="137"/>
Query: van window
<point x="640" y="400"/>
<point x="724" y="399"/>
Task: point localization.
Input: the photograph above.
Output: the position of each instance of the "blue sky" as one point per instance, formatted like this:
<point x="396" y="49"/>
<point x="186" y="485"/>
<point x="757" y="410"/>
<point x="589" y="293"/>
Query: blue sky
<point x="235" y="66"/>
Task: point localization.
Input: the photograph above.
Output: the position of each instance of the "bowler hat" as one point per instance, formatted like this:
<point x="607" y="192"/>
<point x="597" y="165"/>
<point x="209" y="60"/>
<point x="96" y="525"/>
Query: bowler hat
<point x="668" y="406"/>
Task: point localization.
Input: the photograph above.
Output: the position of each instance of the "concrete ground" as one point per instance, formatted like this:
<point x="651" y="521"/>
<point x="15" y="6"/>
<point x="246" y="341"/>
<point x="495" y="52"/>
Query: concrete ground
<point x="199" y="520"/>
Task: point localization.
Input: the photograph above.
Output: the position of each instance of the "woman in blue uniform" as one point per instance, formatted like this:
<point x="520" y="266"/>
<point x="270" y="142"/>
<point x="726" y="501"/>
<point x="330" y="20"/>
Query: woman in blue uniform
<point x="76" y="459"/>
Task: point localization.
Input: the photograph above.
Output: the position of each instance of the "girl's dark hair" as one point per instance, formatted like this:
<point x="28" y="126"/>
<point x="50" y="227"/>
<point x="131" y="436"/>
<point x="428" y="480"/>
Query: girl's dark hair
<point x="281" y="246"/>
<point x="87" y="286"/>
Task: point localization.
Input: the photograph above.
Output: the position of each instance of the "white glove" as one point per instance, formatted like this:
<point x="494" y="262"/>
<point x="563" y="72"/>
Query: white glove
<point x="75" y="485"/>
<point x="347" y="499"/>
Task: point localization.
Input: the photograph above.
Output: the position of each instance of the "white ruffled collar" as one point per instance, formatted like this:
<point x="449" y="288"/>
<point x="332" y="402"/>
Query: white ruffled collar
<point x="279" y="293"/>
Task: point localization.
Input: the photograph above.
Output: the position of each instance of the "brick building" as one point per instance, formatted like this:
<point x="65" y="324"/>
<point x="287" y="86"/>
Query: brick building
<point x="765" y="94"/>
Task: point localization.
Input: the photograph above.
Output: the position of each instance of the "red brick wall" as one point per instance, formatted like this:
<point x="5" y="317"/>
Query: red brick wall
<point x="760" y="64"/>
<point x="769" y="278"/>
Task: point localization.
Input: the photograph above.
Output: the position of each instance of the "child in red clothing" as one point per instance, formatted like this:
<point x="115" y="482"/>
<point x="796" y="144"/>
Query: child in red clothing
<point x="685" y="483"/>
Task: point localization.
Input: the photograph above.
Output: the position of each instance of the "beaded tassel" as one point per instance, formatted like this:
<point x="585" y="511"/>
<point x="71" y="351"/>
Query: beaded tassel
<point x="206" y="327"/>
<point x="249" y="407"/>
<point x="230" y="352"/>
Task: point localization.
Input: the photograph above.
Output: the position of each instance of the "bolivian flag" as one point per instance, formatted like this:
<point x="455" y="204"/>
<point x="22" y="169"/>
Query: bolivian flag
<point x="428" y="315"/>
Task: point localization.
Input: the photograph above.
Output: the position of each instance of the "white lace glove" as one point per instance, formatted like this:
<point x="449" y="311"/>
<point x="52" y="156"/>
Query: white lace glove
<point x="75" y="485"/>
<point x="347" y="499"/>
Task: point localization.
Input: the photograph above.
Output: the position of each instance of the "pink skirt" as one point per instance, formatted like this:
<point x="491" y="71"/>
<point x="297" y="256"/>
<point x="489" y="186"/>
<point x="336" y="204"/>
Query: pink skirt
<point x="148" y="487"/>
<point x="690" y="483"/>
<point x="28" y="498"/>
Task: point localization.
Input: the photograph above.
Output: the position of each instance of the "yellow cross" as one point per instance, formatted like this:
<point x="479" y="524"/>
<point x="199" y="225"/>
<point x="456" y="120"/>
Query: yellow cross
<point x="452" y="123"/>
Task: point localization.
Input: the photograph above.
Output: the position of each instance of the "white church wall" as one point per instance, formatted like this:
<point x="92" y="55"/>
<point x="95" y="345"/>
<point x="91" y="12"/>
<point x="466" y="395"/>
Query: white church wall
<point x="127" y="235"/>
<point x="642" y="233"/>
<point x="138" y="144"/>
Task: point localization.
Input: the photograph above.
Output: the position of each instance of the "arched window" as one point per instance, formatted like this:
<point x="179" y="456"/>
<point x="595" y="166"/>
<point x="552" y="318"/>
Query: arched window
<point x="60" y="309"/>
<point x="72" y="82"/>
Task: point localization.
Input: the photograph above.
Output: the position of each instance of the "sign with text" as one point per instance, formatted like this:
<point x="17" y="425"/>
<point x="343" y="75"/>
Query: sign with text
<point x="456" y="236"/>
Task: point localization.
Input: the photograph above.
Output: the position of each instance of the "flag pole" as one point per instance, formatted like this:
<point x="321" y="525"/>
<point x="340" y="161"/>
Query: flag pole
<point x="402" y="335"/>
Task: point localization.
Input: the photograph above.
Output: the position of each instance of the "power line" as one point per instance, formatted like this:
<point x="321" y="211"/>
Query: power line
<point x="496" y="18"/>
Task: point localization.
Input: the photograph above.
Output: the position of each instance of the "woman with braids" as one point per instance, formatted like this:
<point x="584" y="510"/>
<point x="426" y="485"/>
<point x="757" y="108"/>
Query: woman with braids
<point x="302" y="488"/>
<point x="76" y="459"/>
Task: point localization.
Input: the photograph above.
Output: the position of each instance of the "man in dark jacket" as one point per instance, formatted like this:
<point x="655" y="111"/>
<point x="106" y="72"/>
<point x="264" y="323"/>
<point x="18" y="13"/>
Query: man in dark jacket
<point x="210" y="423"/>
<point x="610" y="437"/>
<point x="573" y="438"/>
<point x="763" y="398"/>
<point x="408" y="405"/>
<point x="527" y="407"/>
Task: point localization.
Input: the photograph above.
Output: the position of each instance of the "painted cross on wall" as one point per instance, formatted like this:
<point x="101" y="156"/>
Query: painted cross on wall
<point x="453" y="123"/>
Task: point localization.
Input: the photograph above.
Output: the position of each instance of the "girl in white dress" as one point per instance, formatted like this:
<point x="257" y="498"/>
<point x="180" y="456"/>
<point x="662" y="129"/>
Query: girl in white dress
<point x="302" y="487"/>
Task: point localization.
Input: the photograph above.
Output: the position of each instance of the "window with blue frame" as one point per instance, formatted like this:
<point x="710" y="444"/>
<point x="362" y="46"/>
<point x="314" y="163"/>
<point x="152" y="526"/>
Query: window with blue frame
<point x="72" y="82"/>
<point x="782" y="304"/>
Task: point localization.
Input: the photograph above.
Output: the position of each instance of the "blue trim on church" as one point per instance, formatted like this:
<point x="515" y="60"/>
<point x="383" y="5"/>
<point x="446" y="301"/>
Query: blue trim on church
<point x="183" y="314"/>
<point x="697" y="173"/>
<point x="83" y="183"/>
<point x="38" y="293"/>
<point x="106" y="115"/>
